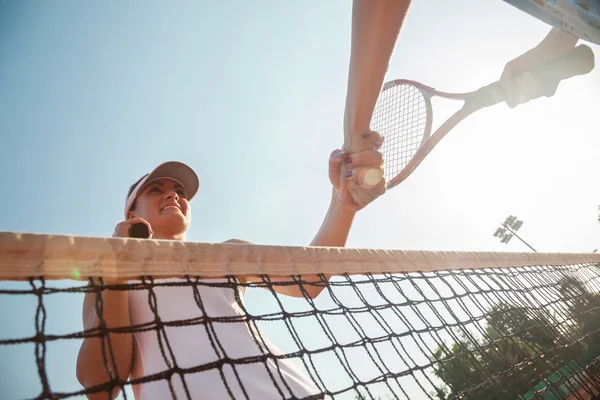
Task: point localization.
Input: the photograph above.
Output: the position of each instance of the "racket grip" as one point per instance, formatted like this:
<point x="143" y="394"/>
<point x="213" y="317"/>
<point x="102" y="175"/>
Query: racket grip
<point x="139" y="231"/>
<point x="578" y="61"/>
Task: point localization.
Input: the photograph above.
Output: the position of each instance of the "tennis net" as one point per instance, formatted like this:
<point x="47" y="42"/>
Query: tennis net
<point x="385" y="324"/>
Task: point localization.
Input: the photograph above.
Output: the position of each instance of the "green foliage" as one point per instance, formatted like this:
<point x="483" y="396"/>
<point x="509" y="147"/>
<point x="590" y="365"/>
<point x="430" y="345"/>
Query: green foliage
<point x="583" y="307"/>
<point x="520" y="347"/>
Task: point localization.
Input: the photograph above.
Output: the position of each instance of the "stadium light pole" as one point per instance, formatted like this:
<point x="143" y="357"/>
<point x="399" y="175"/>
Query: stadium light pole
<point x="512" y="225"/>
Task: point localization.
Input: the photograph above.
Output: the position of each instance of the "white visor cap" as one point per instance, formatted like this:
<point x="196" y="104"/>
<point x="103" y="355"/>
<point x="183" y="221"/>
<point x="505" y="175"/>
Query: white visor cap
<point x="175" y="170"/>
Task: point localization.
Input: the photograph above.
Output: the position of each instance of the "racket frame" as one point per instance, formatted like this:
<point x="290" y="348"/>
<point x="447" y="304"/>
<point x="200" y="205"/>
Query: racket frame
<point x="473" y="101"/>
<point x="578" y="61"/>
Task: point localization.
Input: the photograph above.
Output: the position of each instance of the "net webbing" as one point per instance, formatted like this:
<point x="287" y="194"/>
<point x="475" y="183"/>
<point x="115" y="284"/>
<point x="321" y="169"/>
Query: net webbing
<point x="388" y="324"/>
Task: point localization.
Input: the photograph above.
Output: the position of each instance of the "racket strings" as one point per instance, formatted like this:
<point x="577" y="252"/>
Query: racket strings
<point x="400" y="116"/>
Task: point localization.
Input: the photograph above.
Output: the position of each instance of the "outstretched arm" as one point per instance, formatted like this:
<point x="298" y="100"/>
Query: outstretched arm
<point x="342" y="209"/>
<point x="376" y="26"/>
<point x="346" y="169"/>
<point x="337" y="222"/>
<point x="336" y="225"/>
<point x="356" y="173"/>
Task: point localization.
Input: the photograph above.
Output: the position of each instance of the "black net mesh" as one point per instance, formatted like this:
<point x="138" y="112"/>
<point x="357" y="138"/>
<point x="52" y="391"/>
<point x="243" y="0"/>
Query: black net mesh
<point x="514" y="333"/>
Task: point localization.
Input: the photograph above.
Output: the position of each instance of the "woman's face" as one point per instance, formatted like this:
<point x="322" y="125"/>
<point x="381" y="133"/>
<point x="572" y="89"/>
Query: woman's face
<point x="163" y="203"/>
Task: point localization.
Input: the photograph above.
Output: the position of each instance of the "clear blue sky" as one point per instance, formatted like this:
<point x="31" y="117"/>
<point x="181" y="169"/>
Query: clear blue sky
<point x="251" y="95"/>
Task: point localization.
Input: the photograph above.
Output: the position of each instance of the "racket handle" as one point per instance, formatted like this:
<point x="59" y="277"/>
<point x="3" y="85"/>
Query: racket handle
<point x="139" y="231"/>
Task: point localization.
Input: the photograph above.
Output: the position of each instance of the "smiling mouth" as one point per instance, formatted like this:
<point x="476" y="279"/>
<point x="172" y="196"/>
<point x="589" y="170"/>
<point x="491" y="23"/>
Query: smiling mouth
<point x="170" y="207"/>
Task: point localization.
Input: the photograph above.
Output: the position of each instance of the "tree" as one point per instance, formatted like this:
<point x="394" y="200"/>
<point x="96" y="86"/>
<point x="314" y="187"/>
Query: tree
<point x="583" y="308"/>
<point x="460" y="368"/>
<point x="523" y="346"/>
<point x="506" y="362"/>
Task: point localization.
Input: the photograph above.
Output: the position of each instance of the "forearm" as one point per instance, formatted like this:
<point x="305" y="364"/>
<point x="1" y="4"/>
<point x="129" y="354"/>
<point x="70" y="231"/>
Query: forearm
<point x="336" y="226"/>
<point x="91" y="367"/>
<point x="555" y="43"/>
<point x="376" y="26"/>
<point x="334" y="232"/>
<point x="559" y="39"/>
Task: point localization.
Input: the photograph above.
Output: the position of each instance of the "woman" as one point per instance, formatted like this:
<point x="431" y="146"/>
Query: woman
<point x="161" y="201"/>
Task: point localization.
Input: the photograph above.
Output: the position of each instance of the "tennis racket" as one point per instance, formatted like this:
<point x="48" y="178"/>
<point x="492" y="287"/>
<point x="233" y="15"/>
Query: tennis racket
<point x="403" y="114"/>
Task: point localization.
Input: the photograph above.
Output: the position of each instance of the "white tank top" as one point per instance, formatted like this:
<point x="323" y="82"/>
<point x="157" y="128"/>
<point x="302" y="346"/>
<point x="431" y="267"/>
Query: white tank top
<point x="193" y="346"/>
